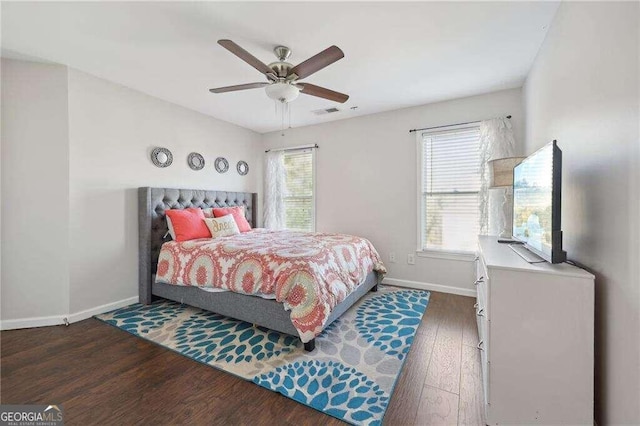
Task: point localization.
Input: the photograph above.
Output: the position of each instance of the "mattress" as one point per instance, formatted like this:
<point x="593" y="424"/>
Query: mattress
<point x="310" y="273"/>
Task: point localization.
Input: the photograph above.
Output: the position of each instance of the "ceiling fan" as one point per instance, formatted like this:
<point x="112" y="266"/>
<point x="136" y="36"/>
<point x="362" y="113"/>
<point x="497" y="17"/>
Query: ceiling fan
<point x="283" y="78"/>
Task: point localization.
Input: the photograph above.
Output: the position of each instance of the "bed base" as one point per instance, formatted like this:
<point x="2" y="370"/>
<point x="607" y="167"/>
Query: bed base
<point x="152" y="227"/>
<point x="253" y="309"/>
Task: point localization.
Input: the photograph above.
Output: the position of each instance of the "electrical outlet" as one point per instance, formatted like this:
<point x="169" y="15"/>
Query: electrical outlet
<point x="411" y="259"/>
<point x="392" y="257"/>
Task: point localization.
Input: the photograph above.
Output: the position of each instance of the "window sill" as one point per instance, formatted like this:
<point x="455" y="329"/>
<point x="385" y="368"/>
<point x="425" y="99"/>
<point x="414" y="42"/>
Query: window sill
<point x="449" y="255"/>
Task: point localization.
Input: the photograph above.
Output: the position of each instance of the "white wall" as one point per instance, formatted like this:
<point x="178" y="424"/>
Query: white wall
<point x="35" y="192"/>
<point x="75" y="148"/>
<point x="367" y="178"/>
<point x="583" y="91"/>
<point x="112" y="131"/>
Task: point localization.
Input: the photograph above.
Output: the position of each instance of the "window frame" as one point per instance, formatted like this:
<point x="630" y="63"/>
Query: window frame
<point x="421" y="251"/>
<point x="312" y="150"/>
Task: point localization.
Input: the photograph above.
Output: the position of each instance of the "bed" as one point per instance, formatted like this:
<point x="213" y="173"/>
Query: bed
<point x="257" y="310"/>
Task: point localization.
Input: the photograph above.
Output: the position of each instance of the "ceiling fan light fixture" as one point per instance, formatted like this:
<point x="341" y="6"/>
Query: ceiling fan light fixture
<point x="283" y="92"/>
<point x="283" y="77"/>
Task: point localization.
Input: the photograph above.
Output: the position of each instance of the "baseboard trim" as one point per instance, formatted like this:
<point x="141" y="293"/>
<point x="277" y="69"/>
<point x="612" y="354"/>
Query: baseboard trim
<point x="15" y="324"/>
<point x="88" y="313"/>
<point x="428" y="286"/>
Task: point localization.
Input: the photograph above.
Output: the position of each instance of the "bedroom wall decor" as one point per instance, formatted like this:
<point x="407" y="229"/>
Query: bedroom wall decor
<point x="195" y="161"/>
<point x="221" y="164"/>
<point x="242" y="167"/>
<point x="161" y="157"/>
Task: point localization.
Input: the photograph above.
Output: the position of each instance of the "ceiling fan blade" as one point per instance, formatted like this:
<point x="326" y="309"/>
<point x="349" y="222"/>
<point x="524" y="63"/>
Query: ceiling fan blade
<point x="317" y="62"/>
<point x="245" y="56"/>
<point x="238" y="87"/>
<point x="321" y="92"/>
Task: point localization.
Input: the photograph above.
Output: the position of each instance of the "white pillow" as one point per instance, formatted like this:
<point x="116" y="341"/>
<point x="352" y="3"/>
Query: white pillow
<point x="208" y="212"/>
<point x="222" y="226"/>
<point x="170" y="231"/>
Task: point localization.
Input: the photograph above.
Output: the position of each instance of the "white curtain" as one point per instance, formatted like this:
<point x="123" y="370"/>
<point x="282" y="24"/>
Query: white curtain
<point x="274" y="215"/>
<point x="496" y="141"/>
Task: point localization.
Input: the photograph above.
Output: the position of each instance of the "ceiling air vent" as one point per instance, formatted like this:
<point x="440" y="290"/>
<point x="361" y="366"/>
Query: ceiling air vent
<point x="326" y="111"/>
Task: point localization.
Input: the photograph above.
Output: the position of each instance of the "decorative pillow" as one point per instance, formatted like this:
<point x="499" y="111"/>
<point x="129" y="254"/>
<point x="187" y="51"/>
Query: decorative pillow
<point x="208" y="212"/>
<point x="187" y="224"/>
<point x="238" y="215"/>
<point x="222" y="226"/>
<point x="170" y="231"/>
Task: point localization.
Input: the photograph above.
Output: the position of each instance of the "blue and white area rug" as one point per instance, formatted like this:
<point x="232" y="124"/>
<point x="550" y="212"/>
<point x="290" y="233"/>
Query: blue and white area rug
<point x="350" y="375"/>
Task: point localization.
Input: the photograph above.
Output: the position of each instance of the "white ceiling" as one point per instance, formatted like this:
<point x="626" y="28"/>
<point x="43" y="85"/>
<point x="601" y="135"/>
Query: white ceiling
<point x="396" y="54"/>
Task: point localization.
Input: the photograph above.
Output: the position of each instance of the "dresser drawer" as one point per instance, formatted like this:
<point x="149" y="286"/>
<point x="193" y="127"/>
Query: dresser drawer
<point x="481" y="268"/>
<point x="484" y="364"/>
<point x="482" y="298"/>
<point x="483" y="347"/>
<point x="483" y="331"/>
<point x="482" y="287"/>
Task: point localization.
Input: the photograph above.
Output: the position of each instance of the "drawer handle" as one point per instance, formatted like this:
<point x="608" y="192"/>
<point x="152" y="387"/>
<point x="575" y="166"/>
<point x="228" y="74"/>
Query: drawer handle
<point x="476" y="258"/>
<point x="480" y="313"/>
<point x="475" y="305"/>
<point x="481" y="345"/>
<point x="478" y="281"/>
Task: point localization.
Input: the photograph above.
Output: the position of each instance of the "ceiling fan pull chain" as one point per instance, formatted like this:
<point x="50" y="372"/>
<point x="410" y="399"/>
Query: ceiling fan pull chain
<point x="284" y="105"/>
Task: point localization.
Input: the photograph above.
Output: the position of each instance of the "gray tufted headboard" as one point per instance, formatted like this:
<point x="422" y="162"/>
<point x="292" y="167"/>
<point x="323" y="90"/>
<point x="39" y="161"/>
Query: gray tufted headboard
<point x="152" y="203"/>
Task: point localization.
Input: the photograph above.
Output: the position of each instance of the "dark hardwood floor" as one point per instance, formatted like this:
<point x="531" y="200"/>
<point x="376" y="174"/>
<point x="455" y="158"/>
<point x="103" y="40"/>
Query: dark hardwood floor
<point x="102" y="375"/>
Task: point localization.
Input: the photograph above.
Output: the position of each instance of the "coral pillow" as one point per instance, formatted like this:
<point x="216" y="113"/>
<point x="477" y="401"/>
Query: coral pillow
<point x="188" y="224"/>
<point x="238" y="216"/>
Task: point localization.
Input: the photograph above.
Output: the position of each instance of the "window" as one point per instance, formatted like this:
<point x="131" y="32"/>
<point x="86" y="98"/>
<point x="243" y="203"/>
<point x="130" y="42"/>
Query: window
<point x="449" y="182"/>
<point x="299" y="198"/>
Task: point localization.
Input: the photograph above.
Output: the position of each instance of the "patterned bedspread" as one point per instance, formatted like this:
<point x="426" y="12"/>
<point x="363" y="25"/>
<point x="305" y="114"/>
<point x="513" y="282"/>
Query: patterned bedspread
<point x="310" y="273"/>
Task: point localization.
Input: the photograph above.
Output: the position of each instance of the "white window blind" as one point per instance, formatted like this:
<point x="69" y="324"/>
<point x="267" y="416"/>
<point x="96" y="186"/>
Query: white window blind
<point x="299" y="190"/>
<point x="450" y="180"/>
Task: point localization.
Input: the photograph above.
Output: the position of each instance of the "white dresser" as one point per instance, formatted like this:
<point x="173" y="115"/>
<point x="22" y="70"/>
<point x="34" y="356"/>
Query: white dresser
<point x="535" y="323"/>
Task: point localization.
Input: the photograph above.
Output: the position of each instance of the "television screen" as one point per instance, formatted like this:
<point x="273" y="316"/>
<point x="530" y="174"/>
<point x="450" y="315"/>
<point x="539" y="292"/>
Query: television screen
<point x="533" y="201"/>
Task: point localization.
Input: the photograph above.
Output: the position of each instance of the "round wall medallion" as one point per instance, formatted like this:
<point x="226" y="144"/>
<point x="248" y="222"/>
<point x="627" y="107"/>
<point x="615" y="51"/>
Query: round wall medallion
<point x="195" y="161"/>
<point x="221" y="164"/>
<point x="242" y="167"/>
<point x="161" y="157"/>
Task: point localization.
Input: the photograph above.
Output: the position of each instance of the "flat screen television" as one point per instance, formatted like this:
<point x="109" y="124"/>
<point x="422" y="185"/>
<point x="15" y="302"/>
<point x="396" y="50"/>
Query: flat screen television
<point x="537" y="190"/>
